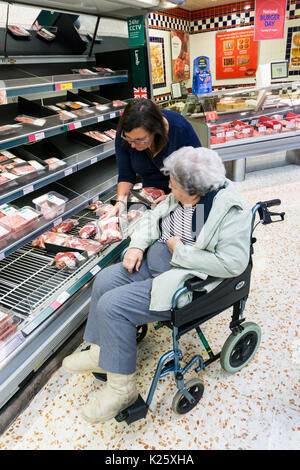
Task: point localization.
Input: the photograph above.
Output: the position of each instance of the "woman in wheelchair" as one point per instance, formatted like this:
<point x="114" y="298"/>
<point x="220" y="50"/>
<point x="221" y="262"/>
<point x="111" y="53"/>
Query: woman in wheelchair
<point x="202" y="229"/>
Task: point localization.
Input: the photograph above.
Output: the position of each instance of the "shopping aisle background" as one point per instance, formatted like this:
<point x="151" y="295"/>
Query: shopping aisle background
<point x="257" y="408"/>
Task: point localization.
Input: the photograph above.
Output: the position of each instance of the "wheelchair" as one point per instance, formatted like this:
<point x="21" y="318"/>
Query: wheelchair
<point x="238" y="349"/>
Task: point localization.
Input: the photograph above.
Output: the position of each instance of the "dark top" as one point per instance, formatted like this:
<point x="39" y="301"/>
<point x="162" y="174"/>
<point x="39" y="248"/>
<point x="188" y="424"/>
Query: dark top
<point x="131" y="162"/>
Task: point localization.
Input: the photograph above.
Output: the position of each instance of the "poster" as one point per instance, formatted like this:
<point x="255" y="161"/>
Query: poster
<point x="180" y="55"/>
<point x="136" y="35"/>
<point x="295" y="52"/>
<point x="269" y="19"/>
<point x="157" y="59"/>
<point x="236" y="54"/>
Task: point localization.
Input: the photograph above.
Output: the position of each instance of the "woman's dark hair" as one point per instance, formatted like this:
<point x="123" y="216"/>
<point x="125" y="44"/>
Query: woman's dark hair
<point x="144" y="113"/>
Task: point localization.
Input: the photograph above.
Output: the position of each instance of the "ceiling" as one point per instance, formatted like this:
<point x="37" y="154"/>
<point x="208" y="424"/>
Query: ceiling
<point x="192" y="5"/>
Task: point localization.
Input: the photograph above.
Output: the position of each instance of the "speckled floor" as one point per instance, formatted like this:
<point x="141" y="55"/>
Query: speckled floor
<point x="256" y="408"/>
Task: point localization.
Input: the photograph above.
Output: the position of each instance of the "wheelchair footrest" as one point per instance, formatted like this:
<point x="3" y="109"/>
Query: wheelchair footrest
<point x="99" y="376"/>
<point x="134" y="412"/>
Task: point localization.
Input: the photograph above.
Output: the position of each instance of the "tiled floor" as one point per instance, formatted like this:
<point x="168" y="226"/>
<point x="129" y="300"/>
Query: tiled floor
<point x="257" y="408"/>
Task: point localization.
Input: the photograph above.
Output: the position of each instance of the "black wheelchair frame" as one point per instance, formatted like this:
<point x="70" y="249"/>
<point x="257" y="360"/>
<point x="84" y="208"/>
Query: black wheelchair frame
<point x="239" y="347"/>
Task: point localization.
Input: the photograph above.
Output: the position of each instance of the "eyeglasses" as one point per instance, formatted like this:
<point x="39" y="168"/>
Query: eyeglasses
<point x="135" y="141"/>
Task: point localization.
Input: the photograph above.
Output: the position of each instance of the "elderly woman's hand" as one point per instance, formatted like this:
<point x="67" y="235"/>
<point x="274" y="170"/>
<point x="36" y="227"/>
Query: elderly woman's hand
<point x="171" y="242"/>
<point x="158" y="200"/>
<point x="133" y="259"/>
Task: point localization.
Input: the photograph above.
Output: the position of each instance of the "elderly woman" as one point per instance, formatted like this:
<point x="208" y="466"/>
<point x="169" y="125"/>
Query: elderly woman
<point x="201" y="229"/>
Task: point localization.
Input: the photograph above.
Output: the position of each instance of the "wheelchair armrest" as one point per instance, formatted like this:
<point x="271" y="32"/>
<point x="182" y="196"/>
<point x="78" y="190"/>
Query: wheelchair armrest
<point x="195" y="283"/>
<point x="123" y="253"/>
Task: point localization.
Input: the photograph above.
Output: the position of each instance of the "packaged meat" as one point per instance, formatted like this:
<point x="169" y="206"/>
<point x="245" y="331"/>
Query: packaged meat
<point x="101" y="107"/>
<point x="54" y="163"/>
<point x="14" y="223"/>
<point x="111" y="133"/>
<point x="23" y="170"/>
<point x="98" y="136"/>
<point x="50" y="204"/>
<point x="68" y="259"/>
<point x="118" y="103"/>
<point x="50" y="238"/>
<point x="8" y="332"/>
<point x="45" y="34"/>
<point x="88" y="230"/>
<point x="151" y="193"/>
<point x="90" y="246"/>
<point x="110" y="230"/>
<point x="6" y="320"/>
<point x="20" y="222"/>
<point x="4" y="232"/>
<point x="217" y="140"/>
<point x="95" y="205"/>
<point x="84" y="71"/>
<point x="103" y="209"/>
<point x="11" y="163"/>
<point x="7" y="177"/>
<point x="30" y="120"/>
<point x="10" y="129"/>
<point x="65" y="226"/>
<point x="83" y="113"/>
<point x="103" y="69"/>
<point x="5" y="156"/>
<point x="18" y="31"/>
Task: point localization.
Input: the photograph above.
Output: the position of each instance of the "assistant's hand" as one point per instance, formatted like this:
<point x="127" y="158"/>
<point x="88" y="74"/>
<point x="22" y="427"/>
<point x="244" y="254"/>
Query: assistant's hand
<point x="133" y="259"/>
<point x="115" y="211"/>
<point x="158" y="200"/>
<point x="171" y="242"/>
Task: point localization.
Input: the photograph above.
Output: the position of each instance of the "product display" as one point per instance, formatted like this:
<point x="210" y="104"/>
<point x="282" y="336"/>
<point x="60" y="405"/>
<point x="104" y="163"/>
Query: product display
<point x="65" y="226"/>
<point x="50" y="204"/>
<point x="68" y="260"/>
<point x="110" y="230"/>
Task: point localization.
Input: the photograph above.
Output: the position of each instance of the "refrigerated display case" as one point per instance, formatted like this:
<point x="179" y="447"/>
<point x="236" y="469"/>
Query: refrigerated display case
<point x="67" y="151"/>
<point x="245" y="122"/>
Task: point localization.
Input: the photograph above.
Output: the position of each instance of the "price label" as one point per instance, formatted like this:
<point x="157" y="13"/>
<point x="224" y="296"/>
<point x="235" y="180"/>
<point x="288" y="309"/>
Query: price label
<point x="69" y="171"/>
<point x="93" y="160"/>
<point x="63" y="86"/>
<point x="211" y="116"/>
<point x="229" y="133"/>
<point x="262" y="129"/>
<point x="63" y="297"/>
<point x="246" y="130"/>
<point x="74" y="125"/>
<point x="277" y="127"/>
<point x="220" y="134"/>
<point x="28" y="189"/>
<point x="100" y="118"/>
<point x="113" y="115"/>
<point x="95" y="270"/>
<point x="35" y="137"/>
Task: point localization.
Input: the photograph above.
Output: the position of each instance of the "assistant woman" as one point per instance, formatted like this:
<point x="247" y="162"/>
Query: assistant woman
<point x="145" y="137"/>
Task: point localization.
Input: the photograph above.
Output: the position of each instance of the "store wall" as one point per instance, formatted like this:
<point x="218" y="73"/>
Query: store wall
<point x="205" y="23"/>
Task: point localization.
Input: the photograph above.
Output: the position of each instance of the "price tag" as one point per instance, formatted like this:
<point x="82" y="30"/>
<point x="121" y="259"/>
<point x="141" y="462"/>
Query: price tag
<point x="69" y="171"/>
<point x="211" y="116"/>
<point x="113" y="115"/>
<point x="220" y="134"/>
<point x="94" y="160"/>
<point x="57" y="222"/>
<point x="262" y="129"/>
<point x="100" y="118"/>
<point x="229" y="133"/>
<point x="95" y="270"/>
<point x="95" y="199"/>
<point x="63" y="297"/>
<point x="2" y="256"/>
<point x="74" y="125"/>
<point x="277" y="127"/>
<point x="246" y="130"/>
<point x="63" y="86"/>
<point x="28" y="189"/>
<point x="35" y="137"/>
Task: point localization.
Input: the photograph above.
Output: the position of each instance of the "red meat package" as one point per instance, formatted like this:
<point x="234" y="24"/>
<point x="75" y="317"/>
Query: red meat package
<point x="110" y="230"/>
<point x="91" y="246"/>
<point x="50" y="237"/>
<point x="103" y="209"/>
<point x="95" y="205"/>
<point x="152" y="193"/>
<point x="88" y="230"/>
<point x="68" y="259"/>
<point x="7" y="326"/>
<point x="65" y="226"/>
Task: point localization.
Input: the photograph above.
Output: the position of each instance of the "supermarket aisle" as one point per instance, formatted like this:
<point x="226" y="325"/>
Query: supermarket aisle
<point x="257" y="408"/>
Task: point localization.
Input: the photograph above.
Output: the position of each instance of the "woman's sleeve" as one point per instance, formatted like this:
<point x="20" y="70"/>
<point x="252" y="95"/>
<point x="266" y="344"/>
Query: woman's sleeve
<point x="125" y="170"/>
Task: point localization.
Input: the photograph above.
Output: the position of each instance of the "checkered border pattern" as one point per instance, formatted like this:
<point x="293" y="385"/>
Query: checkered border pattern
<point x="161" y="21"/>
<point x="294" y="10"/>
<point x="244" y="18"/>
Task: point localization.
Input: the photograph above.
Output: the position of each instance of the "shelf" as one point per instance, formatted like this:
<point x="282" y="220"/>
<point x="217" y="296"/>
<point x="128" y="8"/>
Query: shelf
<point x="24" y="86"/>
<point x="54" y="127"/>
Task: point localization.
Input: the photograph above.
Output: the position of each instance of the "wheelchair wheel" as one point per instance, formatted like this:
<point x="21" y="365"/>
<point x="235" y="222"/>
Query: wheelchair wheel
<point x="141" y="332"/>
<point x="180" y="404"/>
<point x="239" y="349"/>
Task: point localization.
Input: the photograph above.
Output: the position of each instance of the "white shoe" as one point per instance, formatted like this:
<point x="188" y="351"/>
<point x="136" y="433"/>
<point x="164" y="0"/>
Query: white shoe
<point x="118" y="393"/>
<point x="83" y="362"/>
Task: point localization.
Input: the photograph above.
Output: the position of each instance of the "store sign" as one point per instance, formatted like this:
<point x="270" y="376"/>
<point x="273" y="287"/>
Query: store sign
<point x="236" y="54"/>
<point x="136" y="33"/>
<point x="138" y="68"/>
<point x="269" y="19"/>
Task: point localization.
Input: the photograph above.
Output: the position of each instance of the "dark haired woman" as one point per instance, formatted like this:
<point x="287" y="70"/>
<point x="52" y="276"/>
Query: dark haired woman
<point x="146" y="136"/>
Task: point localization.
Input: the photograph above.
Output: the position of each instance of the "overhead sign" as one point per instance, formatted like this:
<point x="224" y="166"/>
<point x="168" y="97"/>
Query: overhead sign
<point x="269" y="19"/>
<point x="136" y="34"/>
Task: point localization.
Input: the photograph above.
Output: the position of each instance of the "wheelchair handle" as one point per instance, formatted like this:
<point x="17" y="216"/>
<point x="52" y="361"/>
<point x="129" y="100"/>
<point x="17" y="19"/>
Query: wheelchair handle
<point x="273" y="202"/>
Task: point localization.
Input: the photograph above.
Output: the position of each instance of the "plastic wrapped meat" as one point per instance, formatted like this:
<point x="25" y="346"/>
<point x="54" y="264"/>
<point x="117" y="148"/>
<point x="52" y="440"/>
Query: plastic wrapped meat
<point x="50" y="237"/>
<point x="98" y="136"/>
<point x="152" y="193"/>
<point x="111" y="133"/>
<point x="23" y="170"/>
<point x="95" y="205"/>
<point x="110" y="230"/>
<point x="54" y="163"/>
<point x="65" y="226"/>
<point x="103" y="209"/>
<point x="68" y="259"/>
<point x="117" y="103"/>
<point x="91" y="246"/>
<point x="88" y="230"/>
<point x="5" y="334"/>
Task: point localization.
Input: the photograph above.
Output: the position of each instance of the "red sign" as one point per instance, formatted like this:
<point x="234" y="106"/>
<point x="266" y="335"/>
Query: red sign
<point x="236" y="54"/>
<point x="269" y="19"/>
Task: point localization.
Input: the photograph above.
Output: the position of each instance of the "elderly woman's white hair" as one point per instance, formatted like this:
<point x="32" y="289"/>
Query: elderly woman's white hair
<point x="197" y="170"/>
